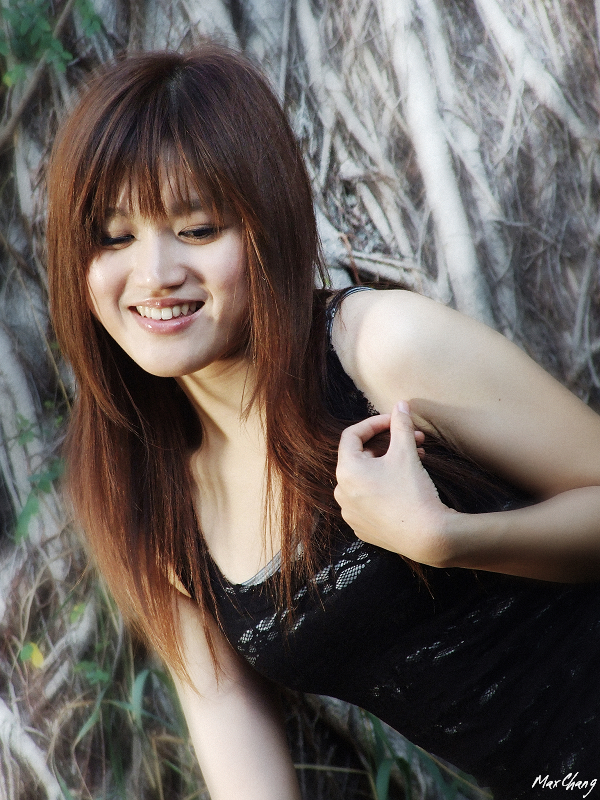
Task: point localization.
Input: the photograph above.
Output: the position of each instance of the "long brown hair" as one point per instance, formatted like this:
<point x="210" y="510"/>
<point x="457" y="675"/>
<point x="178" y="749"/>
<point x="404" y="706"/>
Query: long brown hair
<point x="210" y="121"/>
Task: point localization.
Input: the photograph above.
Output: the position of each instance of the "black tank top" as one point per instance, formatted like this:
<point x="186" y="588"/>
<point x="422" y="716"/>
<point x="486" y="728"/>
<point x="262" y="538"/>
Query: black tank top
<point x="496" y="674"/>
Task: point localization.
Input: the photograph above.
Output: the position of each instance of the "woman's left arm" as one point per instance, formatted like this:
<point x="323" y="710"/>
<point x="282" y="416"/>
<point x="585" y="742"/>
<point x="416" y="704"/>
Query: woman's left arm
<point x="485" y="396"/>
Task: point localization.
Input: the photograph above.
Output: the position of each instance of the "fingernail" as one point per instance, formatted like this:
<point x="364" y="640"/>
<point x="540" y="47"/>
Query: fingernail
<point x="402" y="406"/>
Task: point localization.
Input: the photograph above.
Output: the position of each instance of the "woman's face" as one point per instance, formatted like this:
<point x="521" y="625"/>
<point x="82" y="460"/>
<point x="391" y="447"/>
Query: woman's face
<point x="173" y="292"/>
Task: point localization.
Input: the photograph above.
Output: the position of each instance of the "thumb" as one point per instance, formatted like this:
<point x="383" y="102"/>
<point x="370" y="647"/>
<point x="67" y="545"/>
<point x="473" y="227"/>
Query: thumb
<point x="402" y="430"/>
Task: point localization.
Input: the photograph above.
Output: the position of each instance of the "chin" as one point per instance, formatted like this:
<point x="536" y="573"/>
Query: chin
<point x="162" y="369"/>
<point x="164" y="372"/>
<point x="168" y="365"/>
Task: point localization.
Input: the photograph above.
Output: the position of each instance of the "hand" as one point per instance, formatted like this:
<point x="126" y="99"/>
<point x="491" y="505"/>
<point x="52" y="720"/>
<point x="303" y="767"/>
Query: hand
<point x="390" y="501"/>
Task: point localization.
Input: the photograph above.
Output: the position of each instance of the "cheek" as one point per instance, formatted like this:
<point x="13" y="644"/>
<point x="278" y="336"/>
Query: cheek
<point x="235" y="280"/>
<point x="101" y="290"/>
<point x="92" y="289"/>
<point x="94" y="292"/>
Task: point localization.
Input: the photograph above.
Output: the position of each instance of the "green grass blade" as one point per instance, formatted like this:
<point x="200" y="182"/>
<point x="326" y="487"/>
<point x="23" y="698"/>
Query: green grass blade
<point x="382" y="779"/>
<point x="92" y="720"/>
<point x="137" y="696"/>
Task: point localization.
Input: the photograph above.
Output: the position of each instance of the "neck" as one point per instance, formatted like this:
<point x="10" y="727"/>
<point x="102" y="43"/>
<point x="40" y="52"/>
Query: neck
<point x="219" y="395"/>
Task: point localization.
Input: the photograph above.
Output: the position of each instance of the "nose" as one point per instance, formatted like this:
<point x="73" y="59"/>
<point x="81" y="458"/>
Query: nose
<point x="156" y="264"/>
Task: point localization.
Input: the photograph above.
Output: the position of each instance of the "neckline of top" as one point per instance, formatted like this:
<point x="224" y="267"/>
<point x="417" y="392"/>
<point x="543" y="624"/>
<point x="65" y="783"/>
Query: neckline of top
<point x="270" y="569"/>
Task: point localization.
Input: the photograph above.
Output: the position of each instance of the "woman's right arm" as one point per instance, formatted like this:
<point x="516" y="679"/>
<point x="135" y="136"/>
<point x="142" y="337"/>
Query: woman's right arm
<point x="234" y="722"/>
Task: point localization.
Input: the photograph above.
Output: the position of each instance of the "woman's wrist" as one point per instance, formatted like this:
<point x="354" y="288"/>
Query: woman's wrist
<point x="471" y="541"/>
<point x="556" y="539"/>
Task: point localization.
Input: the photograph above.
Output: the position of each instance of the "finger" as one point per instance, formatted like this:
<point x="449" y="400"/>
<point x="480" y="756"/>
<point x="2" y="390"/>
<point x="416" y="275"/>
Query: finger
<point x="354" y="437"/>
<point x="402" y="431"/>
<point x="419" y="437"/>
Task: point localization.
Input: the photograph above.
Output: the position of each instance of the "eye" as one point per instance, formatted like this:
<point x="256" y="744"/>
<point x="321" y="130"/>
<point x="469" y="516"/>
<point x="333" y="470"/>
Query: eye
<point x="200" y="233"/>
<point x="115" y="242"/>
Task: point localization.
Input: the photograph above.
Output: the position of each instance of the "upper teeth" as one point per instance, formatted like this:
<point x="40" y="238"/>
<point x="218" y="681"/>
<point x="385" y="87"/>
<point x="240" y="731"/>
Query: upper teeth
<point x="168" y="312"/>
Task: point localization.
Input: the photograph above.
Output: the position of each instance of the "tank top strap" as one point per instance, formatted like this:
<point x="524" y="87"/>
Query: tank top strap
<point x="334" y="304"/>
<point x="343" y="399"/>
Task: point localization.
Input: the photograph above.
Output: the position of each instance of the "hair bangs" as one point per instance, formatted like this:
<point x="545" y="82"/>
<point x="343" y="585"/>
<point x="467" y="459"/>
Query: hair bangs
<point x="153" y="157"/>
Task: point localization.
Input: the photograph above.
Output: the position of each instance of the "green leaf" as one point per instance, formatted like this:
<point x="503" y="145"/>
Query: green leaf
<point x="26" y="652"/>
<point x="179" y="722"/>
<point x="91" y="21"/>
<point x="137" y="695"/>
<point x="382" y="779"/>
<point x="92" y="720"/>
<point x="36" y="35"/>
<point x="58" y="56"/>
<point x="29" y="510"/>
<point x="26" y="436"/>
<point x="10" y="16"/>
<point x="32" y="653"/>
<point x="25" y="428"/>
<point x="168" y="724"/>
<point x="76" y="613"/>
<point x="92" y="672"/>
<point x="43" y="481"/>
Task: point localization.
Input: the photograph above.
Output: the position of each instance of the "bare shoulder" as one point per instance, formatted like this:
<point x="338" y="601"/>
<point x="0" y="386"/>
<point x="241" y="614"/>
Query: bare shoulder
<point x="406" y="338"/>
<point x="470" y="384"/>
<point x="366" y="319"/>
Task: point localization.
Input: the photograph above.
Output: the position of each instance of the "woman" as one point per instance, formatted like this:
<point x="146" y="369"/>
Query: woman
<point x="213" y="385"/>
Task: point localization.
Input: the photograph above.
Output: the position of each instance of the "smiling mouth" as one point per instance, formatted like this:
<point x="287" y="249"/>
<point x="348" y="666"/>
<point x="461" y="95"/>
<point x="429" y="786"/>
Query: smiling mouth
<point x="168" y="312"/>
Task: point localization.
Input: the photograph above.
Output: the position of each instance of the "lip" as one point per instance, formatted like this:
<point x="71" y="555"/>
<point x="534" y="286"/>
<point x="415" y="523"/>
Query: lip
<point x="165" y="326"/>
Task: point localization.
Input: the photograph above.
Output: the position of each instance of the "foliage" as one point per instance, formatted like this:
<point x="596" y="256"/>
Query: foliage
<point x="449" y="782"/>
<point x="41" y="483"/>
<point x="28" y="36"/>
